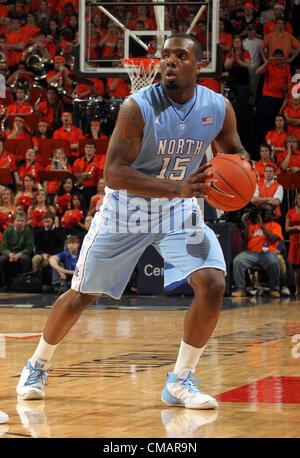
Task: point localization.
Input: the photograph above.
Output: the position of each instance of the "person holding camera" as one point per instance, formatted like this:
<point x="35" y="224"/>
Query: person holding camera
<point x="262" y="235"/>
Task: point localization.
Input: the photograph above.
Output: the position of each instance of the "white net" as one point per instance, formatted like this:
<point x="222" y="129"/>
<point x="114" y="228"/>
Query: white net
<point x="141" y="71"/>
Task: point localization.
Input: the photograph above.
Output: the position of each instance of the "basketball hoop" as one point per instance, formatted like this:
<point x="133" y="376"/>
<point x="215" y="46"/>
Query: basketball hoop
<point x="141" y="71"/>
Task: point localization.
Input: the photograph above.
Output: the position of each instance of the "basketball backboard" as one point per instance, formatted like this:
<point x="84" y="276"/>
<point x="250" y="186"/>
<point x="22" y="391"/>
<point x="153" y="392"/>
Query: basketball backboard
<point x="110" y="31"/>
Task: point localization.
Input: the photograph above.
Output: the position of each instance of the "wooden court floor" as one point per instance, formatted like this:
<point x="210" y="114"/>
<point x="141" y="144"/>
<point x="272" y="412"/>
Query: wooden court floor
<point x="108" y="373"/>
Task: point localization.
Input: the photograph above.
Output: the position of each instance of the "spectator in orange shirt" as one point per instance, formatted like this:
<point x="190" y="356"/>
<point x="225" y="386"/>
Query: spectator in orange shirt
<point x="292" y="116"/>
<point x="30" y="29"/>
<point x="282" y="40"/>
<point x="142" y="16"/>
<point x="269" y="191"/>
<point x="95" y="132"/>
<point x="289" y="161"/>
<point x="86" y="171"/>
<point x="7" y="160"/>
<point x="42" y="132"/>
<point x="225" y="40"/>
<point x="16" y="43"/>
<point x="60" y="74"/>
<point x="20" y="106"/>
<point x="262" y="236"/>
<point x="70" y="133"/>
<point x="108" y="42"/>
<point x="117" y="87"/>
<point x="265" y="159"/>
<point x="49" y="110"/>
<point x="276" y="79"/>
<point x="19" y="130"/>
<point x="30" y="167"/>
<point x="270" y="26"/>
<point x="276" y="138"/>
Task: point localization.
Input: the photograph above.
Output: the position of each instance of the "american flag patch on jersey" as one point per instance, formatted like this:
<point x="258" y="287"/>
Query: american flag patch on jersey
<point x="207" y="120"/>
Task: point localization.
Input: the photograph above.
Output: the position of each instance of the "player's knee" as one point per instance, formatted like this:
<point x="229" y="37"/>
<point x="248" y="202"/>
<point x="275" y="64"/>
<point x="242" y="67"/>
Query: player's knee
<point x="209" y="283"/>
<point x="80" y="301"/>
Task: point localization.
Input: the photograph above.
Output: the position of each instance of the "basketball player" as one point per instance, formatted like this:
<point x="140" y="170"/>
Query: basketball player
<point x="158" y="143"/>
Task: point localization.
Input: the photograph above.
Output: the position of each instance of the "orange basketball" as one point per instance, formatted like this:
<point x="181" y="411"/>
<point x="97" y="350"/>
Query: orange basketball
<point x="233" y="182"/>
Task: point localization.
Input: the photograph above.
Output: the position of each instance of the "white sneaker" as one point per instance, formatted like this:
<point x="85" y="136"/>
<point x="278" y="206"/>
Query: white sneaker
<point x="3" y="417"/>
<point x="32" y="380"/>
<point x="182" y="390"/>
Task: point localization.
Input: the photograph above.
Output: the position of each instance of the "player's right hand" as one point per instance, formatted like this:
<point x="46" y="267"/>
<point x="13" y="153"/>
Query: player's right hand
<point x="194" y="185"/>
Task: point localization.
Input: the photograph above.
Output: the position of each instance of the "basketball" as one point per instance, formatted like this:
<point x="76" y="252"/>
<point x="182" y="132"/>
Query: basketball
<point x="233" y="182"/>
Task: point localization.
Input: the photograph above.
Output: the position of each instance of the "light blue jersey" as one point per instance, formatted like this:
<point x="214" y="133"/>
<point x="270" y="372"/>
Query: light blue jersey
<point x="175" y="136"/>
<point x="174" y="142"/>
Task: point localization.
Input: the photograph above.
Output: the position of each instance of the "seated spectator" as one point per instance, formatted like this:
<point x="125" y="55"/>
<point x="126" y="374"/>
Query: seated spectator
<point x="59" y="76"/>
<point x="262" y="236"/>
<point x="42" y="132"/>
<point x="73" y="220"/>
<point x="37" y="210"/>
<point x="7" y="160"/>
<point x="49" y="110"/>
<point x="265" y="159"/>
<point x="19" y="130"/>
<point x="21" y="105"/>
<point x="24" y="197"/>
<point x="31" y="166"/>
<point x="94" y="131"/>
<point x="86" y="171"/>
<point x="62" y="200"/>
<point x="63" y="264"/>
<point x="97" y="199"/>
<point x="292" y="116"/>
<point x="289" y="161"/>
<point x="17" y="248"/>
<point x="269" y="191"/>
<point x="7" y="201"/>
<point x="276" y="137"/>
<point x="280" y="39"/>
<point x="49" y="239"/>
<point x="69" y="132"/>
<point x="292" y="226"/>
<point x="59" y="162"/>
<point x="277" y="76"/>
<point x="20" y="77"/>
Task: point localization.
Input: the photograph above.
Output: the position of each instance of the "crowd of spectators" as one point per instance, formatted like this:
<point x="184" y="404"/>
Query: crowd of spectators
<point x="56" y="154"/>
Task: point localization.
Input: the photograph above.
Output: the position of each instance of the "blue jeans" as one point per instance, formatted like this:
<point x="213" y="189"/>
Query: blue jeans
<point x="267" y="260"/>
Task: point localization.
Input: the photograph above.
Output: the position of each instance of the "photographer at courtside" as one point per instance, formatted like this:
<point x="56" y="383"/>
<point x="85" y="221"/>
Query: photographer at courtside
<point x="262" y="235"/>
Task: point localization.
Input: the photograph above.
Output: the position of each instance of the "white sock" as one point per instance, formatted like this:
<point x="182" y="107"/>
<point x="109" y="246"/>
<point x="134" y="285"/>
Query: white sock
<point x="187" y="358"/>
<point x="44" y="351"/>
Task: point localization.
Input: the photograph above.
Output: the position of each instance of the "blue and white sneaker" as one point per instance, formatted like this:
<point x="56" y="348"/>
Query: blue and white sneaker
<point x="183" y="391"/>
<point x="32" y="380"/>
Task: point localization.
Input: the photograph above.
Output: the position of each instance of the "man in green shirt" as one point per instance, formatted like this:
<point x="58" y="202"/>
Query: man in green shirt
<point x="17" y="247"/>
